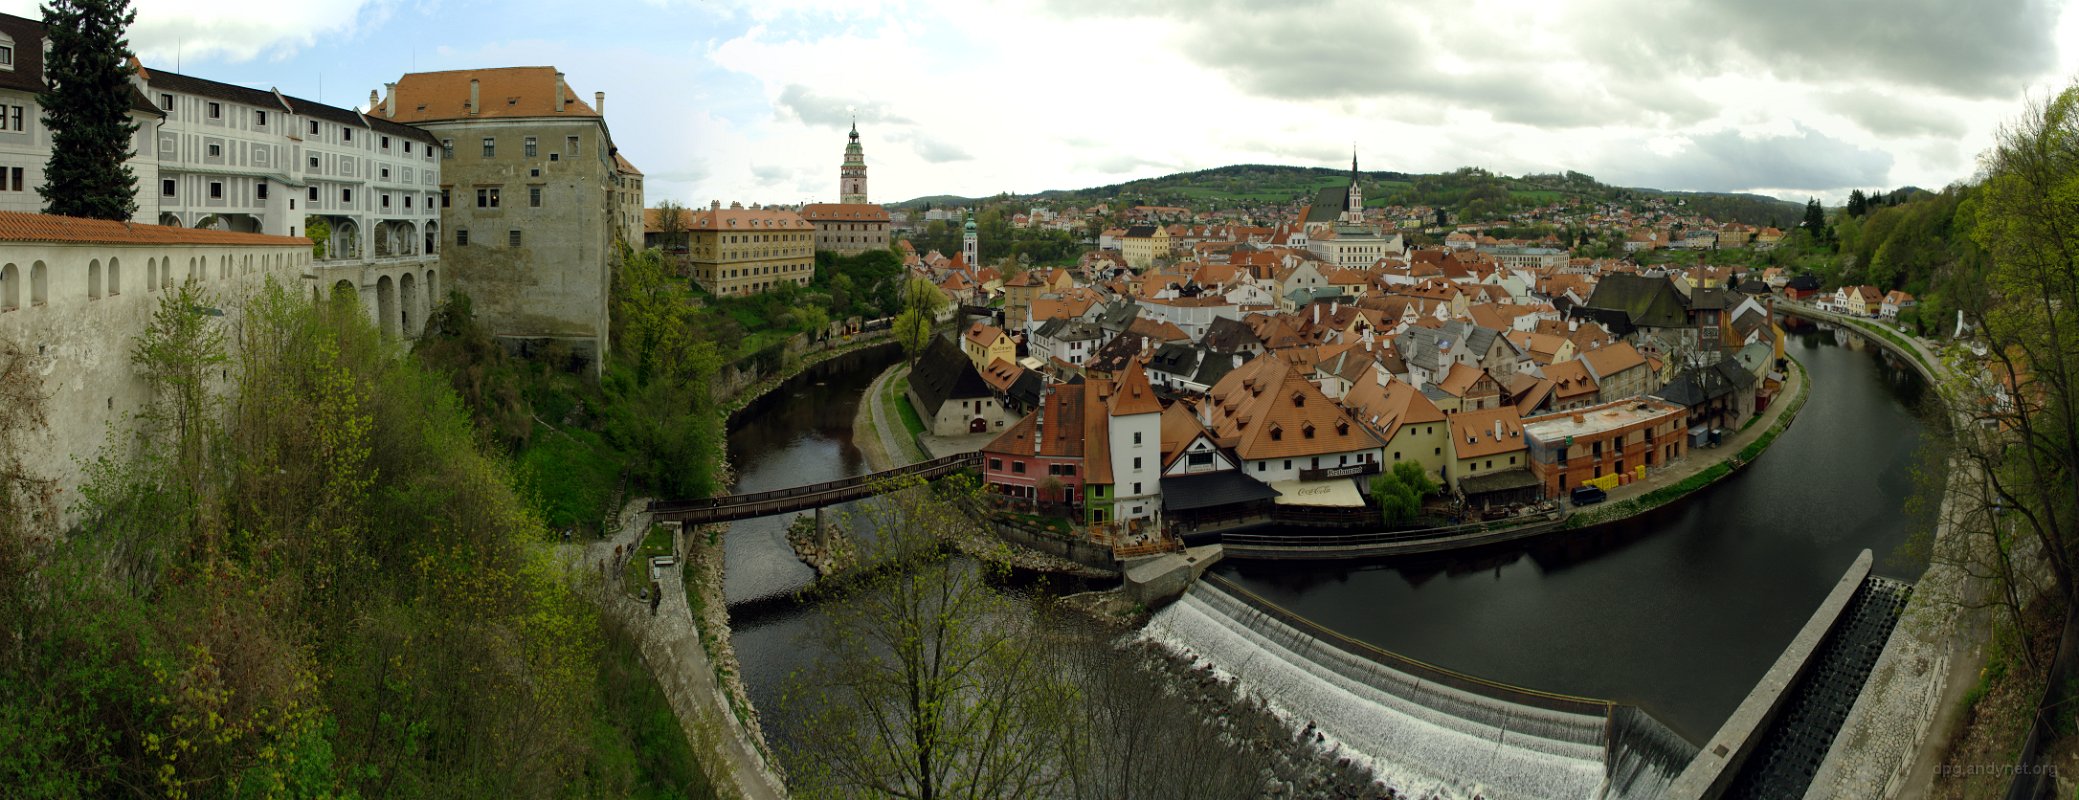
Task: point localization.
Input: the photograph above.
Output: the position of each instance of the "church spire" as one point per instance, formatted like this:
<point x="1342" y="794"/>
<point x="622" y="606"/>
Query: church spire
<point x="852" y="175"/>
<point x="1353" y="162"/>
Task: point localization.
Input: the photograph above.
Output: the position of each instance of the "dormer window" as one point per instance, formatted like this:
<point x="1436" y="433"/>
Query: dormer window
<point x="1307" y="430"/>
<point x="1277" y="433"/>
<point x="7" y="55"/>
<point x="1342" y="428"/>
<point x="1299" y="400"/>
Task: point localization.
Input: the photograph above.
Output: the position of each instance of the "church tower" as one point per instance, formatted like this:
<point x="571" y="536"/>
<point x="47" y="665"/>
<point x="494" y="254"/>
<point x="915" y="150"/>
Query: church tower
<point x="852" y="176"/>
<point x="1353" y="212"/>
<point x="970" y="244"/>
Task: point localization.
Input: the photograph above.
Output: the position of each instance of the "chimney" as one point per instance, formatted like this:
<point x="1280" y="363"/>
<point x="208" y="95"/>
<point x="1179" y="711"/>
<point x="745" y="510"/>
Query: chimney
<point x="559" y="92"/>
<point x="715" y="205"/>
<point x="1317" y="313"/>
<point x="1497" y="430"/>
<point x="371" y="101"/>
<point x="474" y="107"/>
<point x="390" y="100"/>
<point x="599" y="103"/>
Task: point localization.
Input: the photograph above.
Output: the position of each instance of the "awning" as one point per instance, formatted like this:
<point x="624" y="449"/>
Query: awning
<point x="1337" y="493"/>
<point x="1212" y="489"/>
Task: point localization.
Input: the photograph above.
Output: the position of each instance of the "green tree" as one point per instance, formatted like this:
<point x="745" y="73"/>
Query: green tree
<point x="319" y="231"/>
<point x="930" y="684"/>
<point x="86" y="105"/>
<point x="921" y="303"/>
<point x="1399" y="492"/>
<point x="1815" y="220"/>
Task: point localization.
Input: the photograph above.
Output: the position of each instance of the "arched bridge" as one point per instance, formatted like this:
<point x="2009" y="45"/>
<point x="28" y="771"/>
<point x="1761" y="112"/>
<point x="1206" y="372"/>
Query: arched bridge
<point x="802" y="498"/>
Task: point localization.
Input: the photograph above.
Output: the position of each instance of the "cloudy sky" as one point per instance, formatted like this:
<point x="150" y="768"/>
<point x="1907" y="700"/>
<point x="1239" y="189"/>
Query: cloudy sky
<point x="719" y="99"/>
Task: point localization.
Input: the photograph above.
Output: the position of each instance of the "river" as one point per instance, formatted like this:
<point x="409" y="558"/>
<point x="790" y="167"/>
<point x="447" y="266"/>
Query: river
<point x="1678" y="611"/>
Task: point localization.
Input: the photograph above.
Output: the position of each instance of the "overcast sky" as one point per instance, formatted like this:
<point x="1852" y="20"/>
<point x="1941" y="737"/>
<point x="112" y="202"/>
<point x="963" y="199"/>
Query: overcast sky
<point x="726" y="100"/>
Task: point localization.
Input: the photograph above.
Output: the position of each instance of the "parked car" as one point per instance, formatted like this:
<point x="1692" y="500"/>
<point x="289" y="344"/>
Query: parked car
<point x="1589" y="495"/>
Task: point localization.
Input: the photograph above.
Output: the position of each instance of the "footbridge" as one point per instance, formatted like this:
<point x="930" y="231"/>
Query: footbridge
<point x="731" y="508"/>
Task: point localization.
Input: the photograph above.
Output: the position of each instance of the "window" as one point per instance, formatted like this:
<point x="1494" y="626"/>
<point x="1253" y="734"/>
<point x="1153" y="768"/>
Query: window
<point x="461" y="236"/>
<point x="386" y="173"/>
<point x="260" y="190"/>
<point x="996" y="465"/>
<point x="313" y="127"/>
<point x="490" y="147"/>
<point x="1018" y="467"/>
<point x="1200" y="459"/>
<point x="407" y="148"/>
<point x="166" y="187"/>
<point x="512" y="238"/>
<point x="7" y="56"/>
<point x="530" y="147"/>
<point x="1136" y="465"/>
<point x="346" y="134"/>
<point x="216" y="150"/>
<point x="386" y="143"/>
<point x="11" y="118"/>
<point x="216" y="110"/>
<point x="407" y="201"/>
<point x="1136" y="439"/>
<point x="386" y="200"/>
<point x="534" y="197"/>
<point x="570" y="143"/>
<point x="346" y="195"/>
<point x="260" y="119"/>
<point x="313" y="194"/>
<point x="165" y="102"/>
<point x="1136" y="490"/>
<point x="447" y="148"/>
<point x="443" y="197"/>
<point x="314" y="162"/>
<point x="216" y="190"/>
<point x="487" y="198"/>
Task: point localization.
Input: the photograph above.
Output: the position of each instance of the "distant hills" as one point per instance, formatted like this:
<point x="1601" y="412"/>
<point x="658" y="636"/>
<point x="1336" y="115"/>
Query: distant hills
<point x="1470" y="193"/>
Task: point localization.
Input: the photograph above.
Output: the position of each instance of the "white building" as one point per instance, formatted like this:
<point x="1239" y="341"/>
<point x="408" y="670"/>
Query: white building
<point x="25" y="144"/>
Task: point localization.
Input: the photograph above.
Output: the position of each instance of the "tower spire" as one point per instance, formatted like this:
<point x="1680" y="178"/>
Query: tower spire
<point x="1353" y="162"/>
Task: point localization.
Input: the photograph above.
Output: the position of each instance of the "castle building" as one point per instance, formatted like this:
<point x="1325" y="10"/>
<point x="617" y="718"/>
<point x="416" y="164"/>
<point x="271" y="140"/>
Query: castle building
<point x="851" y="225"/>
<point x="737" y="251"/>
<point x="25" y="143"/>
<point x="533" y="198"/>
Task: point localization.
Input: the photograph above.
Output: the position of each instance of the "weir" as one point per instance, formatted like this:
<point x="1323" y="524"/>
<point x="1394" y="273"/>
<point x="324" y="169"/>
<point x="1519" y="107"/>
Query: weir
<point x="1422" y="730"/>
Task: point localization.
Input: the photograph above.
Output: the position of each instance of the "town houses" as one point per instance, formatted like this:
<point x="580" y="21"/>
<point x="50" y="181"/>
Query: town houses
<point x="1251" y="371"/>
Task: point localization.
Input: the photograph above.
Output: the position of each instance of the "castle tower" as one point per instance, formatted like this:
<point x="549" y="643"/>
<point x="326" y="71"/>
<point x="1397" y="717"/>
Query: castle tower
<point x="970" y="244"/>
<point x="852" y="176"/>
<point x="1353" y="213"/>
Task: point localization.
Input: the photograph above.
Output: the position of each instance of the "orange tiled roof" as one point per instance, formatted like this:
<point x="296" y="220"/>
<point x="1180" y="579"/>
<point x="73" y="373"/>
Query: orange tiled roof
<point x="505" y="92"/>
<point x="1472" y="432"/>
<point x="18" y="226"/>
<point x="1266" y="408"/>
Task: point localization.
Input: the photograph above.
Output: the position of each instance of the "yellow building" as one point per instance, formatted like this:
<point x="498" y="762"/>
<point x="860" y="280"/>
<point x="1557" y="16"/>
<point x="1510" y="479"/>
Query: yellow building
<point x="737" y="251"/>
<point x="1142" y="244"/>
<point x="985" y="344"/>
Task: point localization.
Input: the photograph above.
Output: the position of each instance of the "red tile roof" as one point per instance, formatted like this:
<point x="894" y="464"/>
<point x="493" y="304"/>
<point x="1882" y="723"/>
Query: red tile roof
<point x="18" y="226"/>
<point x="502" y="92"/>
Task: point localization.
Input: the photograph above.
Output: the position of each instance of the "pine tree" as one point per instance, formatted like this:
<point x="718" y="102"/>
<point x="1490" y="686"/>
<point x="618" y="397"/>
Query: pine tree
<point x="86" y="104"/>
<point x="1858" y="203"/>
<point x="1815" y="220"/>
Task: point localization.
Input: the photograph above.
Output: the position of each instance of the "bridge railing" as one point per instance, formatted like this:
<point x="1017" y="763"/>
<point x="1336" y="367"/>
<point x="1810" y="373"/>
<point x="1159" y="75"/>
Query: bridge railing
<point x="934" y="466"/>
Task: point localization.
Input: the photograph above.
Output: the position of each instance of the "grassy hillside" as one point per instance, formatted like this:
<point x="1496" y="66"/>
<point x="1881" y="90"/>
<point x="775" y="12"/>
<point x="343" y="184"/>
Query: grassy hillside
<point x="1468" y="192"/>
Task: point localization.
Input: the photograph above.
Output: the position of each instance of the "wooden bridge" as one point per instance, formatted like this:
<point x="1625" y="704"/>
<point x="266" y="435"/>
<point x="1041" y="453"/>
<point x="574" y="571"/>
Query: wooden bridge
<point x="802" y="498"/>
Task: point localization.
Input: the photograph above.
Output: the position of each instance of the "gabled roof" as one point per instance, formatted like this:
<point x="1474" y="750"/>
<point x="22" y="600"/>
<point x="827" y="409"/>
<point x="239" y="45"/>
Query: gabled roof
<point x="1059" y="421"/>
<point x="944" y="373"/>
<point x="1134" y="395"/>
<point x="1267" y="409"/>
<point x="1472" y="432"/>
<point x="1387" y="408"/>
<point x="1645" y="302"/>
<point x="1227" y="334"/>
<point x="1612" y="359"/>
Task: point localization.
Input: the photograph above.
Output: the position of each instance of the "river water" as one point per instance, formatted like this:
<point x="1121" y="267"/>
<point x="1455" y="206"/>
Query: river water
<point x="1678" y="611"/>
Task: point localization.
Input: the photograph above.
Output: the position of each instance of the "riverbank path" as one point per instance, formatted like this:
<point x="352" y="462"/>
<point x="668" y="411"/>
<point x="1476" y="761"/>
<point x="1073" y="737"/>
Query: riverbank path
<point x="670" y="643"/>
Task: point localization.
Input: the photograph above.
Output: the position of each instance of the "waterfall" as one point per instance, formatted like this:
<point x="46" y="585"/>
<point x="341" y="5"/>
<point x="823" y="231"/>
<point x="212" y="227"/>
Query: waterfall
<point x="1420" y="731"/>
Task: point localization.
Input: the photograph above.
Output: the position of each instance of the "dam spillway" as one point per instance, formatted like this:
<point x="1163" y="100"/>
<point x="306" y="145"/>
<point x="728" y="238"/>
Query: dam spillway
<point x="1423" y="732"/>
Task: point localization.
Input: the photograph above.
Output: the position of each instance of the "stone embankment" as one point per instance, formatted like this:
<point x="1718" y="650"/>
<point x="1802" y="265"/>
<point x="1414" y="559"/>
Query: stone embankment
<point x="689" y="654"/>
<point x="1898" y="730"/>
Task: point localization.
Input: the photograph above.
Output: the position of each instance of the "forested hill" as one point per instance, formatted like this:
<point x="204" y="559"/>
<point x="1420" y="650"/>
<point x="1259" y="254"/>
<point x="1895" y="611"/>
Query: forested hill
<point x="1469" y="191"/>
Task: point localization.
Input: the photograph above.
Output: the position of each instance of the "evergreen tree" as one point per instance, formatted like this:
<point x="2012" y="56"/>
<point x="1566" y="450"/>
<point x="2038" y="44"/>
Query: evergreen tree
<point x="86" y="103"/>
<point x="1858" y="203"/>
<point x="1815" y="220"/>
